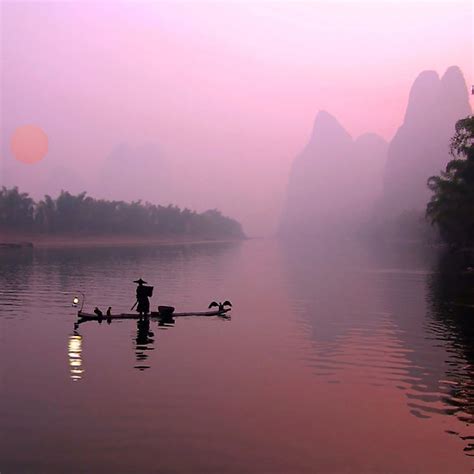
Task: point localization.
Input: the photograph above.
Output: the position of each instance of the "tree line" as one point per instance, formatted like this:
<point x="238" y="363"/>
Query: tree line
<point x="73" y="214"/>
<point x="451" y="207"/>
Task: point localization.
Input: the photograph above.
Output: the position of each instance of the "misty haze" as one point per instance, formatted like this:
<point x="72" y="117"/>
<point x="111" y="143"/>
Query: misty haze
<point x="236" y="237"/>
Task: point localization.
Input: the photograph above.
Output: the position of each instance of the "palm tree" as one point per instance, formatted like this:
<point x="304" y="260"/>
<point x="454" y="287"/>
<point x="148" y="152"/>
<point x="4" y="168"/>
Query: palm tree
<point x="45" y="215"/>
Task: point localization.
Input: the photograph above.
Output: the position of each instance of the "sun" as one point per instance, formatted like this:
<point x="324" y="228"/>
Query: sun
<point x="29" y="144"/>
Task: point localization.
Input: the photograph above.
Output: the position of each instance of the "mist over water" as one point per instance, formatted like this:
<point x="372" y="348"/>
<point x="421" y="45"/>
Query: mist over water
<point x="335" y="359"/>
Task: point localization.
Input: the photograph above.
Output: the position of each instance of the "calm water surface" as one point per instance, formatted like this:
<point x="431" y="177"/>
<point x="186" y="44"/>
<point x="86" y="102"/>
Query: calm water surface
<point x="336" y="359"/>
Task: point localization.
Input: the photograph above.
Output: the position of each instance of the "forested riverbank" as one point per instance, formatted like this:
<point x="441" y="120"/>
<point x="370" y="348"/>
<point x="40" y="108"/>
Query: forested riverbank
<point x="81" y="218"/>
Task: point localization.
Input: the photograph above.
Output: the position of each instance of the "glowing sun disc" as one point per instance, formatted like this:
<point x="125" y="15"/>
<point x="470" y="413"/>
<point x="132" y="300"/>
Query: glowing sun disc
<point x="29" y="144"/>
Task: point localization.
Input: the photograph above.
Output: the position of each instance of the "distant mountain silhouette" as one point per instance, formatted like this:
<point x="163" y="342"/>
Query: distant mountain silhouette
<point x="334" y="181"/>
<point x="135" y="173"/>
<point x="370" y="156"/>
<point x="420" y="148"/>
<point x="49" y="177"/>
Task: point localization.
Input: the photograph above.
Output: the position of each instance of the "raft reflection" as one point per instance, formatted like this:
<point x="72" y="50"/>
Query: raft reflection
<point x="144" y="341"/>
<point x="74" y="353"/>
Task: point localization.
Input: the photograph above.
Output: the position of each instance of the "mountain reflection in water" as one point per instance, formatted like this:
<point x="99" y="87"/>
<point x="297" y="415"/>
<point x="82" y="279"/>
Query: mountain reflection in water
<point x="405" y="319"/>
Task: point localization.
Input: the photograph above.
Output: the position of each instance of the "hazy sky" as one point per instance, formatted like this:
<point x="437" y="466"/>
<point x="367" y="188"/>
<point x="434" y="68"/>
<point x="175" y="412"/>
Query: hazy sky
<point x="228" y="91"/>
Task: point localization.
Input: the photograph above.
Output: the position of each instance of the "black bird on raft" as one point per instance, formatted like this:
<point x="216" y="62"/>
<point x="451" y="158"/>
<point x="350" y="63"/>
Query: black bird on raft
<point x="98" y="312"/>
<point x="220" y="305"/>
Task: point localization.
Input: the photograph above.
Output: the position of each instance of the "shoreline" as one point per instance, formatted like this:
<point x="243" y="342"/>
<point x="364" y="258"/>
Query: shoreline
<point x="15" y="242"/>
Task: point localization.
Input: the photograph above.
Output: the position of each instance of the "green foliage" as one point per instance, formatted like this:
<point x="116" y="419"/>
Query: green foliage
<point x="451" y="207"/>
<point x="69" y="214"/>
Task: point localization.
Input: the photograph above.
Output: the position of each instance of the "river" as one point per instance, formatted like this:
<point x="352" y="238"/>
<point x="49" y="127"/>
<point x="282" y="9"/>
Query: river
<point x="336" y="359"/>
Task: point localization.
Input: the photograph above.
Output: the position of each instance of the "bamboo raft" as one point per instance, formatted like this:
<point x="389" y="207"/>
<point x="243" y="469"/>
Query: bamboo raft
<point x="83" y="316"/>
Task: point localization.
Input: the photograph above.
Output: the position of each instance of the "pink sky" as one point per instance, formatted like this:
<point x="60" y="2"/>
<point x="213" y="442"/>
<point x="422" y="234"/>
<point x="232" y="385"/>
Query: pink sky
<point x="228" y="90"/>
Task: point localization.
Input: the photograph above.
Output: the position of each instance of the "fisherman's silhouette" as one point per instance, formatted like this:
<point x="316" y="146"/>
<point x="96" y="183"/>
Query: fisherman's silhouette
<point x="143" y="293"/>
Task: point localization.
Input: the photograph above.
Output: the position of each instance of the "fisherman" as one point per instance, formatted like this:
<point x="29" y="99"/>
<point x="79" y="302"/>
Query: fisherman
<point x="143" y="292"/>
